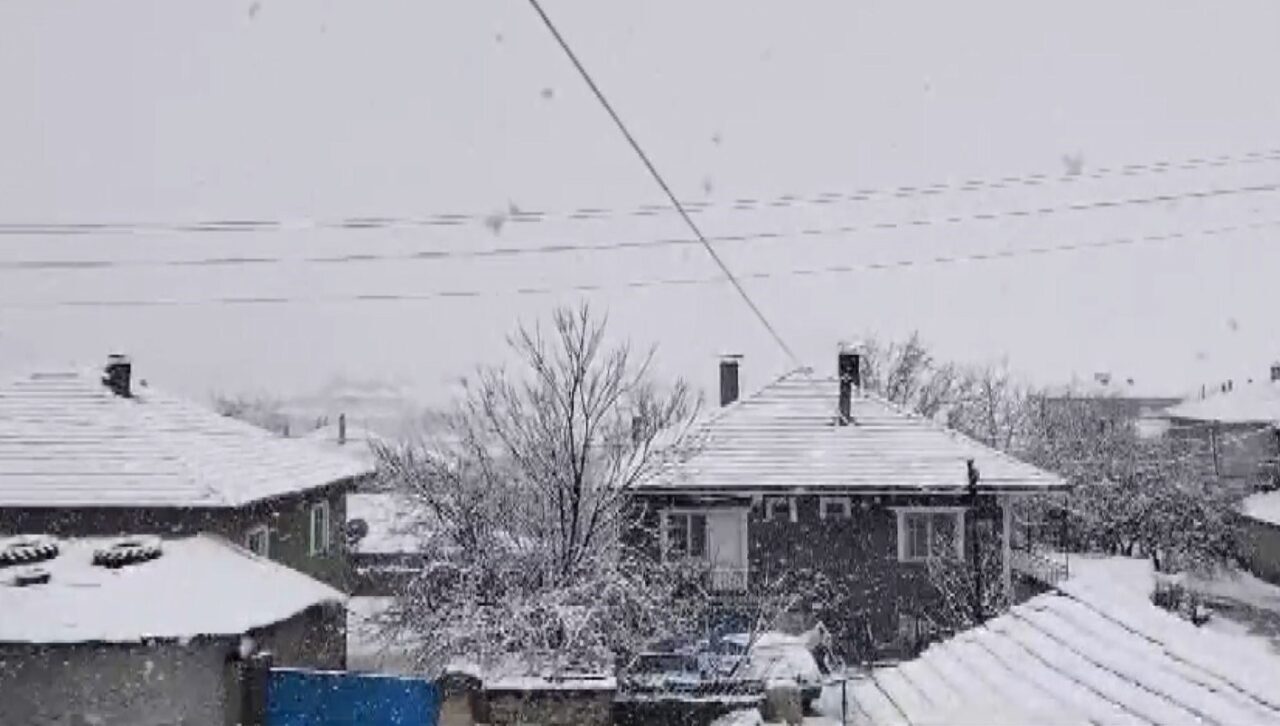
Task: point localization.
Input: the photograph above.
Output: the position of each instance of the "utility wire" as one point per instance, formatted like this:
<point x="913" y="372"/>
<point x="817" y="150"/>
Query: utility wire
<point x="1005" y="254"/>
<point x="571" y="247"/>
<point x="657" y="177"/>
<point x="516" y="215"/>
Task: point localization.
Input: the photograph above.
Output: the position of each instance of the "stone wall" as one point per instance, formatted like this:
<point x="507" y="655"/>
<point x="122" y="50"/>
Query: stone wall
<point x="546" y="708"/>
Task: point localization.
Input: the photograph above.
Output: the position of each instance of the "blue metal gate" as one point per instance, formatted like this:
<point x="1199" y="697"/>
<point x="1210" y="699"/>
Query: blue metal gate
<point x="337" y="698"/>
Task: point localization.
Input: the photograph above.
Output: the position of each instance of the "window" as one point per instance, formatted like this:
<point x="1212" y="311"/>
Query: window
<point x="258" y="540"/>
<point x="833" y="508"/>
<point x="776" y="509"/>
<point x="925" y="534"/>
<point x="686" y="536"/>
<point x="320" y="528"/>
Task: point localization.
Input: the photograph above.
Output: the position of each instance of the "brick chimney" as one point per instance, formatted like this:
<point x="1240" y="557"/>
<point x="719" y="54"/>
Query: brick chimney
<point x="342" y="429"/>
<point x="117" y="373"/>
<point x="849" y="368"/>
<point x="1275" y="372"/>
<point x="729" y="378"/>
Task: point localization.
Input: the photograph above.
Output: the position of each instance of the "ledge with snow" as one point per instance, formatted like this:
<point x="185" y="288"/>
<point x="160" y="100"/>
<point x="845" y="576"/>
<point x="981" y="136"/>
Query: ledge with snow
<point x="149" y="630"/>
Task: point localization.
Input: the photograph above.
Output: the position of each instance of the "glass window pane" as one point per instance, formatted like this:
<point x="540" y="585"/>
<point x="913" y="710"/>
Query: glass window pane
<point x="677" y="535"/>
<point x="917" y="535"/>
<point x="697" y="535"/>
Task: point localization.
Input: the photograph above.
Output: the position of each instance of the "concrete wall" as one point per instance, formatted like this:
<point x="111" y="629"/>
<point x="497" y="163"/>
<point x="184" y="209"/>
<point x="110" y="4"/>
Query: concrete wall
<point x="158" y="684"/>
<point x="287" y="517"/>
<point x="867" y="587"/>
<point x="1259" y="544"/>
<point x="314" y="638"/>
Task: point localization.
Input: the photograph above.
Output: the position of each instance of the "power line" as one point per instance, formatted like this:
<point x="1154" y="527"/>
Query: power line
<point x="561" y="248"/>
<point x="657" y="177"/>
<point x="516" y="215"/>
<point x="1005" y="254"/>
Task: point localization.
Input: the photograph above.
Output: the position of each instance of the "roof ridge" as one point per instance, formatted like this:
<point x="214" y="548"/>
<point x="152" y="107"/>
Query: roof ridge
<point x="957" y="434"/>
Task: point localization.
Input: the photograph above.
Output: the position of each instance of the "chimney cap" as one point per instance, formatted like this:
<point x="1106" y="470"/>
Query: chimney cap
<point x="852" y="346"/>
<point x="730" y="357"/>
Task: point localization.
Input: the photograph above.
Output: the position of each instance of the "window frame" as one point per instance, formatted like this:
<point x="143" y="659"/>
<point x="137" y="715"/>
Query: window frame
<point x="687" y="514"/>
<point x="255" y="530"/>
<point x="325" y="545"/>
<point x="903" y="513"/>
<point x="771" y="500"/>
<point x="846" y="505"/>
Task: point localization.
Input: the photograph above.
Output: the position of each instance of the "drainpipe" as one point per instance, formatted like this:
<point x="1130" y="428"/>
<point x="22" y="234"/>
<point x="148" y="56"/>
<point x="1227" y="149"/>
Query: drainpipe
<point x="971" y="524"/>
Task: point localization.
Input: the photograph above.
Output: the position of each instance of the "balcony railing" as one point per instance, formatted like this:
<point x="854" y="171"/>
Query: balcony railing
<point x="1045" y="566"/>
<point x="727" y="579"/>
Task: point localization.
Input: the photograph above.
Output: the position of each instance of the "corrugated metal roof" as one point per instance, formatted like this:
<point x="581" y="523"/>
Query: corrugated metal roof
<point x="68" y="441"/>
<point x="786" y="436"/>
<point x="1076" y="657"/>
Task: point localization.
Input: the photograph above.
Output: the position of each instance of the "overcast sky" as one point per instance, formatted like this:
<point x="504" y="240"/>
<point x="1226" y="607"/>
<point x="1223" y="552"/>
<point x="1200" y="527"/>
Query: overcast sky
<point x="180" y="112"/>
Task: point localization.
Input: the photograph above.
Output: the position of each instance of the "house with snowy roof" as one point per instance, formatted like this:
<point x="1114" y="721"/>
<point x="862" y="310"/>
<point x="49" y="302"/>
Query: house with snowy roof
<point x="1238" y="428"/>
<point x="98" y="453"/>
<point x="817" y="474"/>
<point x="148" y="630"/>
<point x="1111" y="401"/>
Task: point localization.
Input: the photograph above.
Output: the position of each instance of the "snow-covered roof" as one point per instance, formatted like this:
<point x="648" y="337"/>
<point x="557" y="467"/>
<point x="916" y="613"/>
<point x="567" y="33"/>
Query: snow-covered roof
<point x="1257" y="402"/>
<point x="358" y="443"/>
<point x="200" y="585"/>
<point x="785" y="437"/>
<point x="1111" y="387"/>
<point x="395" y="523"/>
<point x="66" y="440"/>
<point x="1262" y="506"/>
<point x="1091" y="653"/>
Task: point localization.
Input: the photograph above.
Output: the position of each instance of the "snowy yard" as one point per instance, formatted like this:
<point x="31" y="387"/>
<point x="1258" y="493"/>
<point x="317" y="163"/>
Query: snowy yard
<point x="1242" y="605"/>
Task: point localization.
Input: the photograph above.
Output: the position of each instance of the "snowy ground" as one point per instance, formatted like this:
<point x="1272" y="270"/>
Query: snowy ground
<point x="1243" y="605"/>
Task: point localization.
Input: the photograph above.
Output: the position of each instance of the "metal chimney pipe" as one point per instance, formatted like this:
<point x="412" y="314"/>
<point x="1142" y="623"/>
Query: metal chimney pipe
<point x="729" y="365"/>
<point x="117" y="374"/>
<point x="849" y="368"/>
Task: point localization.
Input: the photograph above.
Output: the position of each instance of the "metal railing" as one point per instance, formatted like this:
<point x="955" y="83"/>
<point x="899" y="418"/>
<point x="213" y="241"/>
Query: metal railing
<point x="727" y="579"/>
<point x="1045" y="566"/>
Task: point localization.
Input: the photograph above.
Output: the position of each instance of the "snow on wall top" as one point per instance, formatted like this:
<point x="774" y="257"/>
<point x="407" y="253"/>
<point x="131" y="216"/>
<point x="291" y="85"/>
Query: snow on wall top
<point x="1249" y="403"/>
<point x="200" y="585"/>
<point x="67" y="441"/>
<point x="785" y="436"/>
<point x="1091" y="653"/>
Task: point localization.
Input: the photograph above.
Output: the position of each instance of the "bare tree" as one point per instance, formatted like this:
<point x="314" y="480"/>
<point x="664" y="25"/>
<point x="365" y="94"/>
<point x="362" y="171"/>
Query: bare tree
<point x="526" y="495"/>
<point x="991" y="407"/>
<point x="908" y="374"/>
<point x="985" y="402"/>
<point x="1131" y="495"/>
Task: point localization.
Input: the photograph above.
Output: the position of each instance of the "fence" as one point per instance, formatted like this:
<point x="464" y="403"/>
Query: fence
<point x="336" y="698"/>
